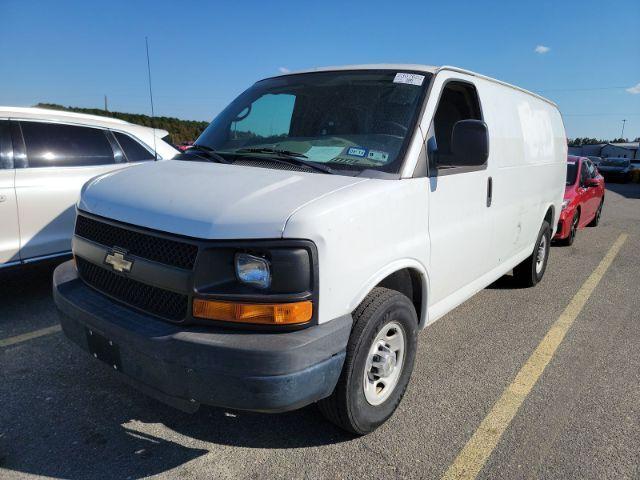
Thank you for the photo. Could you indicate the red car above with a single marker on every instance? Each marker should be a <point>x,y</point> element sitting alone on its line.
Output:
<point>583,199</point>
<point>184,146</point>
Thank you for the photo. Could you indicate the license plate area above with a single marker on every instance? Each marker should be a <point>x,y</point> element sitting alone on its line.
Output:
<point>103,349</point>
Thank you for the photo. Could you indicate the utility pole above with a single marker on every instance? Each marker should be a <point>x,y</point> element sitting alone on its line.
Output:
<point>105,104</point>
<point>622,134</point>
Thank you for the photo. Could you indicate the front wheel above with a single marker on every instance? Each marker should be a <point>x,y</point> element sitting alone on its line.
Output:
<point>531,271</point>
<point>380,357</point>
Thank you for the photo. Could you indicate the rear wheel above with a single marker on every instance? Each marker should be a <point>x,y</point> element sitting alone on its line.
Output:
<point>531,271</point>
<point>380,356</point>
<point>573,229</point>
<point>596,219</point>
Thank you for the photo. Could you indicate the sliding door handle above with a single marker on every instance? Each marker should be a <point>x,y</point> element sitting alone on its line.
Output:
<point>489,191</point>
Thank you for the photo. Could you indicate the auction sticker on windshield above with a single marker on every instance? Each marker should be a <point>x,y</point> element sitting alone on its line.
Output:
<point>409,78</point>
<point>378,156</point>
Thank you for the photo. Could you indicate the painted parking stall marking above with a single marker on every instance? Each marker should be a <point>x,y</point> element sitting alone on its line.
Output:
<point>7,342</point>
<point>475,453</point>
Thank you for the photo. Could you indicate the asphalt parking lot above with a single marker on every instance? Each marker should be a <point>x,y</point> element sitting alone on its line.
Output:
<point>63,416</point>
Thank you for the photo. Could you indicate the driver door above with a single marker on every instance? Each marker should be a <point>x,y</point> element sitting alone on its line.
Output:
<point>460,226</point>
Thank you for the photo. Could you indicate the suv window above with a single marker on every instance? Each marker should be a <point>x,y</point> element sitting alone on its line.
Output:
<point>6,149</point>
<point>58,145</point>
<point>132,149</point>
<point>459,101</point>
<point>591,169</point>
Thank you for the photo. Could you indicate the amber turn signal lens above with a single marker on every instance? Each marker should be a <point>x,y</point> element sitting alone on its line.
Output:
<point>260,313</point>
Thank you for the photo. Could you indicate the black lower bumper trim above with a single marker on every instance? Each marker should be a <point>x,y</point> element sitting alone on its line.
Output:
<point>186,366</point>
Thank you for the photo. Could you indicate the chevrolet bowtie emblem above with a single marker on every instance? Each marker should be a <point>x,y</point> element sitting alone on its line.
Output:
<point>118,262</point>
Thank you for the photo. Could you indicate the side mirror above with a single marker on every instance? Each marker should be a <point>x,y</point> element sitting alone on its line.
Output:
<point>470,143</point>
<point>591,182</point>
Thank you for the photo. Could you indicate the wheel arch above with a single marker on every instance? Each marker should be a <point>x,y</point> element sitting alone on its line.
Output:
<point>551,217</point>
<point>408,277</point>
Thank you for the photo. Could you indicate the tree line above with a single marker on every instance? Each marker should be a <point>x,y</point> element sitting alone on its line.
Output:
<point>578,142</point>
<point>179,130</point>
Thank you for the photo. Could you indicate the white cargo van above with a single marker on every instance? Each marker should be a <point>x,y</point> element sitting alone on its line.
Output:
<point>320,221</point>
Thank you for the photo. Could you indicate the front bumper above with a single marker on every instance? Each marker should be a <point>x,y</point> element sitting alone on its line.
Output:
<point>186,366</point>
<point>564,224</point>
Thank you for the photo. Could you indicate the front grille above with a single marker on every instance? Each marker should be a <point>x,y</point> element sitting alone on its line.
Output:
<point>163,303</point>
<point>162,250</point>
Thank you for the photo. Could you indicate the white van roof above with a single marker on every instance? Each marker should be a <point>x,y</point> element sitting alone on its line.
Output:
<point>416,68</point>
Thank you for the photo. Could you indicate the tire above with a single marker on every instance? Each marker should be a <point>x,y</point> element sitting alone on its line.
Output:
<point>596,219</point>
<point>530,272</point>
<point>573,230</point>
<point>349,407</point>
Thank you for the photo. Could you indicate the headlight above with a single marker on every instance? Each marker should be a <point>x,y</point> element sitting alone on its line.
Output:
<point>565,203</point>
<point>253,270</point>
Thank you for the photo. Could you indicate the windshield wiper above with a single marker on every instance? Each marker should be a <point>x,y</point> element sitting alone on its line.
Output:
<point>285,153</point>
<point>286,156</point>
<point>208,153</point>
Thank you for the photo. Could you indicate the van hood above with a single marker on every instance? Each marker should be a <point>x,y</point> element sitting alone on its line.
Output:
<point>207,200</point>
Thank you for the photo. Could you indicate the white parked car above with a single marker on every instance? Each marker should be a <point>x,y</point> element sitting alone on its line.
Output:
<point>45,158</point>
<point>319,222</point>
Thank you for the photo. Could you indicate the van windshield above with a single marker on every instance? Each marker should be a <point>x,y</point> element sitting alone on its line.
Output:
<point>350,121</point>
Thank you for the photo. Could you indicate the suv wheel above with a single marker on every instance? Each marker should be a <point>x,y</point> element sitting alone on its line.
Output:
<point>380,357</point>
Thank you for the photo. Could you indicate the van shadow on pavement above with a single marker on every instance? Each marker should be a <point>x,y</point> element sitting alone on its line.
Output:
<point>65,415</point>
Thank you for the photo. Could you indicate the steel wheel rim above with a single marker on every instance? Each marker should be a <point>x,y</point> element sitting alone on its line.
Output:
<point>542,253</point>
<point>384,364</point>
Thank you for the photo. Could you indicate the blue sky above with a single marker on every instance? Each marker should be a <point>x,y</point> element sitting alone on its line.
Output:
<point>204,53</point>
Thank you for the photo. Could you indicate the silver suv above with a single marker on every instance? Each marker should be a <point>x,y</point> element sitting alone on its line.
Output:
<point>45,158</point>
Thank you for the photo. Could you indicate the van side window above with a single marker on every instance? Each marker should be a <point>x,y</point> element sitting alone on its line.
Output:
<point>59,145</point>
<point>459,101</point>
<point>132,149</point>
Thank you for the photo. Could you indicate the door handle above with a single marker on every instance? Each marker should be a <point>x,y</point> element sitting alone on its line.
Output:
<point>489,191</point>
<point>2,198</point>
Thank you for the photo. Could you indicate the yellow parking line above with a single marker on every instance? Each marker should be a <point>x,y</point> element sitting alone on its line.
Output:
<point>5,342</point>
<point>475,453</point>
